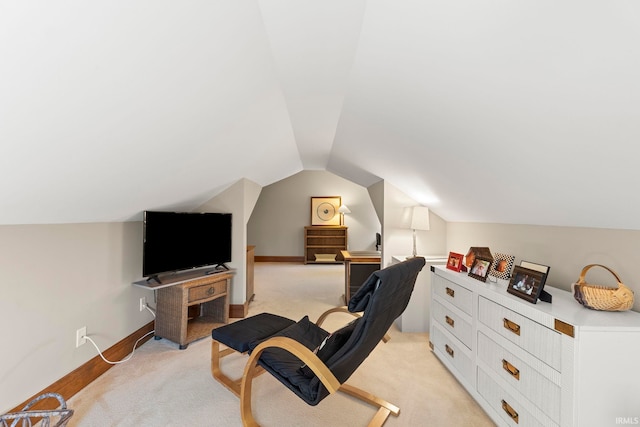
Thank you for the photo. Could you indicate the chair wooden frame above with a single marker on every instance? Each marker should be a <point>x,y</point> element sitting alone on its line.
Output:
<point>322,372</point>
<point>242,387</point>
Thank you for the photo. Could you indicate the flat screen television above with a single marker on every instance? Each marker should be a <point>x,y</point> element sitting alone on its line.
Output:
<point>176,241</point>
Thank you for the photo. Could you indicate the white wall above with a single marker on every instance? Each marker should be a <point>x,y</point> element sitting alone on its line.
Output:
<point>239,200</point>
<point>277,224</point>
<point>398,238</point>
<point>55,279</point>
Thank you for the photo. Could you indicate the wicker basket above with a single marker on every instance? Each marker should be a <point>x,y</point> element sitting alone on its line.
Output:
<point>603,298</point>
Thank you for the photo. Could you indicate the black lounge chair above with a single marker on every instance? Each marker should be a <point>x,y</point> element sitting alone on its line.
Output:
<point>310,361</point>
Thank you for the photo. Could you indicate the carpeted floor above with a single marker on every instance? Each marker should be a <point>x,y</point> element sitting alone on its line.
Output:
<point>164,386</point>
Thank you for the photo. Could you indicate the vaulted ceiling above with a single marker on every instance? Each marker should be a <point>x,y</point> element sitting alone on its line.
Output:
<point>483,110</point>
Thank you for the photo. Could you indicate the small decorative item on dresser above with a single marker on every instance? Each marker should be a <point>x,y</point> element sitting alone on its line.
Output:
<point>544,269</point>
<point>527,284</point>
<point>455,261</point>
<point>480,268</point>
<point>474,251</point>
<point>502,265</point>
<point>603,298</point>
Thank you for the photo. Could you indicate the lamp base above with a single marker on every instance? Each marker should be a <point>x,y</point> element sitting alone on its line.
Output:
<point>415,252</point>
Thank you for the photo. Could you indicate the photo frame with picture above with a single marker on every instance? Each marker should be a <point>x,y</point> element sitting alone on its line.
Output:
<point>480,268</point>
<point>526,283</point>
<point>479,252</point>
<point>502,265</point>
<point>544,269</point>
<point>455,261</point>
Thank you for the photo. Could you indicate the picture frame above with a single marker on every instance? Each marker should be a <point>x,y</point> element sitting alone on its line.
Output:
<point>476,251</point>
<point>455,261</point>
<point>538,267</point>
<point>324,210</point>
<point>526,283</point>
<point>502,265</point>
<point>480,268</point>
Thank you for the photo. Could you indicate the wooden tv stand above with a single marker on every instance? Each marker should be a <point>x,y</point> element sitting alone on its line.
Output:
<point>188,310</point>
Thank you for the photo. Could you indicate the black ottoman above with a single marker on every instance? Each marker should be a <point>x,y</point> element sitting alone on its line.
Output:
<point>239,336</point>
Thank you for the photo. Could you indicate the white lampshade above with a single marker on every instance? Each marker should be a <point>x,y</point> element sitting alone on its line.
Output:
<point>343,209</point>
<point>420,218</point>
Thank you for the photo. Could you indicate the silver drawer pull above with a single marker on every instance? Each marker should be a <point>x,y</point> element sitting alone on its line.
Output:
<point>512,370</point>
<point>451,292</point>
<point>512,326</point>
<point>449,321</point>
<point>211,291</point>
<point>449,350</point>
<point>510,411</point>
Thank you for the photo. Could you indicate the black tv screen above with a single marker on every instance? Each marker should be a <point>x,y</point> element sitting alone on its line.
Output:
<point>174,241</point>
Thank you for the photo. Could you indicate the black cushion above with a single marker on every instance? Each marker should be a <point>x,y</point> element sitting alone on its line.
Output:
<point>241,334</point>
<point>336,340</point>
<point>383,297</point>
<point>285,365</point>
<point>331,345</point>
<point>304,331</point>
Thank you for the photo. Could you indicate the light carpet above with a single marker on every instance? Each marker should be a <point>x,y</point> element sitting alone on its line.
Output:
<point>164,386</point>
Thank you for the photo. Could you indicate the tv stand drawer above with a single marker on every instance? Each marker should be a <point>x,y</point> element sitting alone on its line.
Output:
<point>207,291</point>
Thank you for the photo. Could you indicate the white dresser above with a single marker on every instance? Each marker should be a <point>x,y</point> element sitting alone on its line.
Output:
<point>557,364</point>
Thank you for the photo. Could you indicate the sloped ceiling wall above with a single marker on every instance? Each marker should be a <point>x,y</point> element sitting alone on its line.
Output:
<point>489,111</point>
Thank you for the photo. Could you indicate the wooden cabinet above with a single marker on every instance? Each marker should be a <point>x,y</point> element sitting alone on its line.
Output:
<point>544,364</point>
<point>358,266</point>
<point>187,311</point>
<point>323,243</point>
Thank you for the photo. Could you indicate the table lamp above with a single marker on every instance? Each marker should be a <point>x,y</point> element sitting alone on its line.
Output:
<point>343,209</point>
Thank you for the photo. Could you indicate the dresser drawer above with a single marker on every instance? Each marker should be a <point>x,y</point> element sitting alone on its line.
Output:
<point>541,388</point>
<point>452,351</point>
<point>453,293</point>
<point>456,325</point>
<point>510,407</point>
<point>204,292</point>
<point>542,342</point>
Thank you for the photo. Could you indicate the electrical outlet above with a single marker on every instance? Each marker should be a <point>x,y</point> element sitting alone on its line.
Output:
<point>81,336</point>
<point>143,303</point>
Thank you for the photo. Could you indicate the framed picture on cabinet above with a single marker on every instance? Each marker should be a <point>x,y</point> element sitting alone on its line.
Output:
<point>324,210</point>
<point>476,252</point>
<point>480,268</point>
<point>455,261</point>
<point>502,265</point>
<point>526,283</point>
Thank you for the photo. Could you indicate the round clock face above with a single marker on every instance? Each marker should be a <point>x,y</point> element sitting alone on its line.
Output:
<point>326,211</point>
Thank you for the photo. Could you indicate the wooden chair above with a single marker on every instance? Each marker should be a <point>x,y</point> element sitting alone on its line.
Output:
<point>310,361</point>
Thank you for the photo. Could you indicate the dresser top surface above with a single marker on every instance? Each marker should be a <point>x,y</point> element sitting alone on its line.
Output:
<point>563,307</point>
